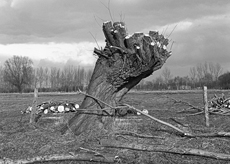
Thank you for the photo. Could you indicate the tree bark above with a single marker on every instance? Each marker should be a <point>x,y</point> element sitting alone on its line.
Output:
<point>122,64</point>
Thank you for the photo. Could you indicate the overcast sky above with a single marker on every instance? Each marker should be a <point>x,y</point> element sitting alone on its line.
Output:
<point>58,31</point>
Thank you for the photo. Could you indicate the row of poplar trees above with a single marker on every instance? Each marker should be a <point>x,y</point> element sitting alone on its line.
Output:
<point>19,75</point>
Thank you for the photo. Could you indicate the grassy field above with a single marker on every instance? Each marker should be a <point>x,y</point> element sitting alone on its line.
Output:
<point>18,140</point>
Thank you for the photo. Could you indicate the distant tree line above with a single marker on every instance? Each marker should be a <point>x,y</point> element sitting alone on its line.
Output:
<point>209,74</point>
<point>19,75</point>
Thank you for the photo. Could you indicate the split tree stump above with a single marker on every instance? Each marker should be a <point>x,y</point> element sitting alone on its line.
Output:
<point>122,64</point>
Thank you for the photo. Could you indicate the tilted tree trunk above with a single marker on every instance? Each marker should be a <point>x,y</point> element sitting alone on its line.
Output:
<point>122,64</point>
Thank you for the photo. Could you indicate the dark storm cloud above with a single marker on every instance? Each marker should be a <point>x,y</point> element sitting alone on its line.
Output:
<point>71,21</point>
<point>48,20</point>
<point>207,40</point>
<point>202,33</point>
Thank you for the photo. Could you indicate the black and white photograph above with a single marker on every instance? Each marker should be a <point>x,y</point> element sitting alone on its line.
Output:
<point>115,81</point>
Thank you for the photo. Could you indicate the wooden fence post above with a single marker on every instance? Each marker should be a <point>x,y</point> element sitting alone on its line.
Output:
<point>33,111</point>
<point>206,106</point>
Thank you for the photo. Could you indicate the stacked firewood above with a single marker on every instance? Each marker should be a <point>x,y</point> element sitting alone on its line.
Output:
<point>219,105</point>
<point>53,107</point>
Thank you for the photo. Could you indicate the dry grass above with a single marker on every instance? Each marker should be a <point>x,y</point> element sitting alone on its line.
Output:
<point>18,140</point>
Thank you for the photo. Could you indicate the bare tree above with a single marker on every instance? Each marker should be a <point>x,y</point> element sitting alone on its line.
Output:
<point>79,77</point>
<point>1,76</point>
<point>58,78</point>
<point>205,68</point>
<point>53,77</point>
<point>69,77</point>
<point>159,81</point>
<point>199,70</point>
<point>46,77</point>
<point>40,76</point>
<point>215,70</point>
<point>193,75</point>
<point>166,73</point>
<point>62,81</point>
<point>18,71</point>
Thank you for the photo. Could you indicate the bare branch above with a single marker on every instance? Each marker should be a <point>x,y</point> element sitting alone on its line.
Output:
<point>172,31</point>
<point>108,8</point>
<point>129,133</point>
<point>63,157</point>
<point>160,121</point>
<point>165,149</point>
<point>97,21</point>
<point>97,99</point>
<point>95,40</point>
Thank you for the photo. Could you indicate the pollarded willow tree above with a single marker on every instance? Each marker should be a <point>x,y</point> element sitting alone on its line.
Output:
<point>122,64</point>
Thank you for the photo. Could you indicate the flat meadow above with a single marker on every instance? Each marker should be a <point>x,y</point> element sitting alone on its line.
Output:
<point>18,140</point>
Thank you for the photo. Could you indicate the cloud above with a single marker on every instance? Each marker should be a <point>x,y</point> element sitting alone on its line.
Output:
<point>67,21</point>
<point>45,21</point>
<point>82,52</point>
<point>206,40</point>
<point>3,3</point>
<point>58,30</point>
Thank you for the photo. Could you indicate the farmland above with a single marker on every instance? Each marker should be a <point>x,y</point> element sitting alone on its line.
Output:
<point>18,140</point>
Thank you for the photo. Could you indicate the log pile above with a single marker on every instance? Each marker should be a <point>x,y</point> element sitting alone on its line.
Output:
<point>53,107</point>
<point>219,105</point>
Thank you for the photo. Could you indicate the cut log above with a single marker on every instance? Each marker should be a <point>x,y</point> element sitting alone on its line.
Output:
<point>122,64</point>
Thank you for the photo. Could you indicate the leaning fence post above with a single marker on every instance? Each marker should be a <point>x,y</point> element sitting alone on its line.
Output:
<point>32,114</point>
<point>206,106</point>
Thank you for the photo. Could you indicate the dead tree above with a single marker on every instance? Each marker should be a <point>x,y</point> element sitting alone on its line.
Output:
<point>122,64</point>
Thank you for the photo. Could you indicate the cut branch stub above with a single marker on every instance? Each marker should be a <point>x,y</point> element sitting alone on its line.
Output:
<point>138,55</point>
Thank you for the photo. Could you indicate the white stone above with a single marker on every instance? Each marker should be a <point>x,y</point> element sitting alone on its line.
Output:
<point>61,108</point>
<point>67,109</point>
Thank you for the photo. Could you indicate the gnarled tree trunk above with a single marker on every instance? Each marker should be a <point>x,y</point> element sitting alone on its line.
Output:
<point>122,64</point>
